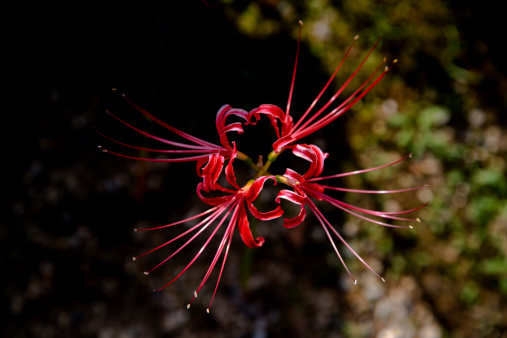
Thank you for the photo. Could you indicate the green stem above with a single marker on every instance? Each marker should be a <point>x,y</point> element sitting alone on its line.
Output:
<point>271,158</point>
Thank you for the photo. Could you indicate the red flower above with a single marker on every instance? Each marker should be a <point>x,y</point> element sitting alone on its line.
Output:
<point>290,132</point>
<point>197,149</point>
<point>234,203</point>
<point>305,187</point>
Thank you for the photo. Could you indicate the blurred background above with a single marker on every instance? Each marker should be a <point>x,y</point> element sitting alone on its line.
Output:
<point>66,229</point>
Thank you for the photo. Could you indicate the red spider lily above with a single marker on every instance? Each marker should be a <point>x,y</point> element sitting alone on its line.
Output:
<point>197,149</point>
<point>290,132</point>
<point>305,187</point>
<point>234,204</point>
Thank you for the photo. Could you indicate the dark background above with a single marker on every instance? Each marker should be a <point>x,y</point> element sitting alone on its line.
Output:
<point>67,223</point>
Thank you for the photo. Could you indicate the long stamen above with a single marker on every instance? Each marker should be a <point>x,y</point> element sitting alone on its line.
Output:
<point>319,216</point>
<point>307,129</point>
<point>293,74</point>
<point>205,221</point>
<point>227,235</point>
<point>177,144</point>
<point>313,179</point>
<point>183,220</point>
<point>184,159</point>
<point>333,98</point>
<point>186,243</point>
<point>167,126</point>
<point>360,191</point>
<point>348,208</point>
<point>326,222</point>
<point>197,255</point>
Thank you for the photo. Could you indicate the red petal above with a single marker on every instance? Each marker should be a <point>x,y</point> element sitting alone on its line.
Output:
<point>212,171</point>
<point>291,174</point>
<point>282,142</point>
<point>265,216</point>
<point>297,199</point>
<point>244,229</point>
<point>212,200</point>
<point>222,114</point>
<point>294,222</point>
<point>314,155</point>
<point>256,187</point>
<point>229,170</point>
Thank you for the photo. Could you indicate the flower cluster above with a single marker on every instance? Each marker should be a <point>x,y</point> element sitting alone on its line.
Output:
<point>231,206</point>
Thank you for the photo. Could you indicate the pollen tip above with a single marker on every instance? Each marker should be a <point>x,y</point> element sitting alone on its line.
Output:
<point>123,95</point>
<point>113,89</point>
<point>356,37</point>
<point>395,60</point>
<point>99,146</point>
<point>410,155</point>
<point>418,220</point>
<point>104,150</point>
<point>195,294</point>
<point>188,306</point>
<point>411,226</point>
<point>355,281</point>
<point>301,22</point>
<point>207,310</point>
<point>386,69</point>
<point>146,273</point>
<point>385,59</point>
<point>134,259</point>
<point>383,279</point>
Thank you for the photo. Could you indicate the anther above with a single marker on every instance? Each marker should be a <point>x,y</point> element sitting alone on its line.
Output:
<point>410,226</point>
<point>113,89</point>
<point>134,259</point>
<point>410,155</point>
<point>355,281</point>
<point>383,279</point>
<point>418,220</point>
<point>188,306</point>
<point>301,22</point>
<point>356,37</point>
<point>195,294</point>
<point>135,230</point>
<point>207,310</point>
<point>146,273</point>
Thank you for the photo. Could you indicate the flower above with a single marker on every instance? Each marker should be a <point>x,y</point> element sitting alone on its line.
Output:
<point>229,205</point>
<point>234,204</point>
<point>305,186</point>
<point>197,149</point>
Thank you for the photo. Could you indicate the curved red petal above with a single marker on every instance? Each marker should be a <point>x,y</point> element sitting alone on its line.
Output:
<point>256,187</point>
<point>229,170</point>
<point>244,229</point>
<point>212,171</point>
<point>291,174</point>
<point>297,199</point>
<point>294,222</point>
<point>282,142</point>
<point>265,216</point>
<point>223,113</point>
<point>219,200</point>
<point>291,196</point>
<point>312,154</point>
